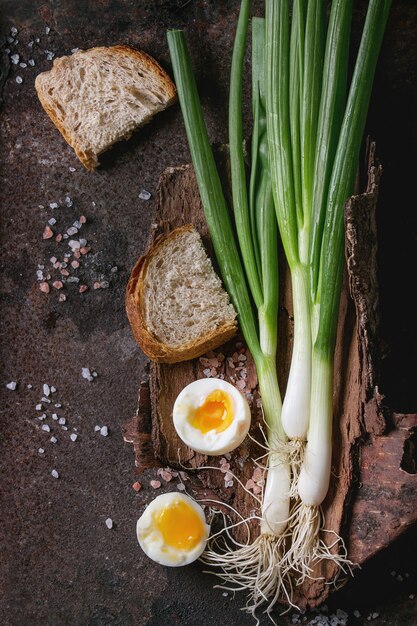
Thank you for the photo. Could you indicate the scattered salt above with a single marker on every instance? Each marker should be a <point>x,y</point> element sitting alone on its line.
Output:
<point>62,421</point>
<point>38,407</point>
<point>46,390</point>
<point>104,431</point>
<point>23,65</point>
<point>29,386</point>
<point>72,169</point>
<point>53,389</point>
<point>49,55</point>
<point>85,373</point>
<point>55,473</point>
<point>52,222</point>
<point>53,205</point>
<point>356,614</point>
<point>73,437</point>
<point>47,30</point>
<point>57,405</point>
<point>68,201</point>
<point>47,400</point>
<point>137,486</point>
<point>13,31</point>
<point>54,416</point>
<point>15,59</point>
<point>155,484</point>
<point>144,195</point>
<point>181,487</point>
<point>53,440</point>
<point>97,428</point>
<point>46,428</point>
<point>41,451</point>
<point>11,385</point>
<point>109,523</point>
<point>31,62</point>
<point>72,230</point>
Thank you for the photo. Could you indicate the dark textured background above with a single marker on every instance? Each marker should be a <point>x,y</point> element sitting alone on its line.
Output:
<point>59,563</point>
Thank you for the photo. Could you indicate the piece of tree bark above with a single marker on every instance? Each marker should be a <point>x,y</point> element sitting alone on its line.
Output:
<point>372,492</point>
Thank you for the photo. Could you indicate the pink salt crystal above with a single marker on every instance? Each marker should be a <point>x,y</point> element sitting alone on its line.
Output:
<point>57,265</point>
<point>223,461</point>
<point>84,250</point>
<point>83,288</point>
<point>44,287</point>
<point>155,484</point>
<point>65,272</point>
<point>57,284</point>
<point>77,254</point>
<point>250,484</point>
<point>228,477</point>
<point>257,490</point>
<point>97,286</point>
<point>136,486</point>
<point>166,475</point>
<point>225,467</point>
<point>47,233</point>
<point>62,297</point>
<point>75,264</point>
<point>58,238</point>
<point>82,219</point>
<point>257,474</point>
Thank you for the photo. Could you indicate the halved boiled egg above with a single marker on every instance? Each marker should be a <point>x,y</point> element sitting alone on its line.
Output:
<point>172,530</point>
<point>211,416</point>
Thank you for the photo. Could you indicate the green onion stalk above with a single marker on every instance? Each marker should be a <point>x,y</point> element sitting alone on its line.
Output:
<point>330,134</point>
<point>254,567</point>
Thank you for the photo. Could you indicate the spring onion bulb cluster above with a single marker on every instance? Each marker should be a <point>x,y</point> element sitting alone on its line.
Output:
<point>308,123</point>
<point>315,128</point>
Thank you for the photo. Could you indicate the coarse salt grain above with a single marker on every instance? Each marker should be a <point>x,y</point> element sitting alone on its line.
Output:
<point>14,59</point>
<point>73,437</point>
<point>41,451</point>
<point>72,230</point>
<point>85,373</point>
<point>58,284</point>
<point>58,405</point>
<point>53,440</point>
<point>97,428</point>
<point>109,523</point>
<point>97,286</point>
<point>104,431</point>
<point>62,421</point>
<point>47,30</point>
<point>38,407</point>
<point>58,238</point>
<point>29,386</point>
<point>46,389</point>
<point>47,233</point>
<point>23,65</point>
<point>46,428</point>
<point>19,80</point>
<point>54,416</point>
<point>137,486</point>
<point>155,484</point>
<point>83,288</point>
<point>72,169</point>
<point>74,244</point>
<point>53,205</point>
<point>31,62</point>
<point>47,400</point>
<point>13,31</point>
<point>53,389</point>
<point>55,473</point>
<point>62,297</point>
<point>11,385</point>
<point>42,417</point>
<point>181,487</point>
<point>144,195</point>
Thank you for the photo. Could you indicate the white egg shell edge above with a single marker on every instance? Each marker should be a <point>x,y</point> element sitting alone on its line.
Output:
<point>211,443</point>
<point>151,541</point>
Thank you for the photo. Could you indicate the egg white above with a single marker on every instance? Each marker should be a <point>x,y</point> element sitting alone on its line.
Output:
<point>212,443</point>
<point>151,540</point>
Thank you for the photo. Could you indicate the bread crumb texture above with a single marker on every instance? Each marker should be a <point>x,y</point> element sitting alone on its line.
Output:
<point>99,96</point>
<point>183,297</point>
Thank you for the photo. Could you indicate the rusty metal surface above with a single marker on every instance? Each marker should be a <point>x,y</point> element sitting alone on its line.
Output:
<point>60,564</point>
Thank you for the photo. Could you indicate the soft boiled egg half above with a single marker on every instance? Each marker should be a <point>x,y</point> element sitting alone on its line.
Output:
<point>172,530</point>
<point>211,416</point>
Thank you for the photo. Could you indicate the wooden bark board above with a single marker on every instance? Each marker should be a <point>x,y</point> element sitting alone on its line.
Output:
<point>371,499</point>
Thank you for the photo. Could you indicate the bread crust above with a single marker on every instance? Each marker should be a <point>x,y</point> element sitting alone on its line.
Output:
<point>150,345</point>
<point>88,158</point>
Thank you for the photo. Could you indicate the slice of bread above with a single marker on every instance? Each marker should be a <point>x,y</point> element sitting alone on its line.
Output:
<point>175,302</point>
<point>99,96</point>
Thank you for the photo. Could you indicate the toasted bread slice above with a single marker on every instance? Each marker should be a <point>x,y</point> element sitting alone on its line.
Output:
<point>175,302</point>
<point>99,96</point>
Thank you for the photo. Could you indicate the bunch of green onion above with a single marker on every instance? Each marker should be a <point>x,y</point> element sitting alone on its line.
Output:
<point>307,132</point>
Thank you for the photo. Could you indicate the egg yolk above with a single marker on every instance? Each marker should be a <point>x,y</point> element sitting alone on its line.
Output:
<point>180,526</point>
<point>216,412</point>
